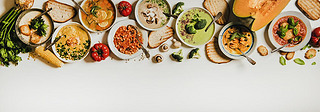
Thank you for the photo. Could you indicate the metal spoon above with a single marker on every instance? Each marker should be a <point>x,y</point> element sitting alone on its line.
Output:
<point>55,40</point>
<point>137,35</point>
<point>275,50</point>
<point>215,19</point>
<point>80,7</point>
<point>248,58</point>
<point>290,42</point>
<point>43,13</point>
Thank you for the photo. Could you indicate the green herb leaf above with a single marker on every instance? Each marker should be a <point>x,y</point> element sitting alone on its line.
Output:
<point>94,9</point>
<point>305,47</point>
<point>291,21</point>
<point>233,36</point>
<point>297,38</point>
<point>291,27</point>
<point>314,63</point>
<point>282,60</point>
<point>299,61</point>
<point>295,31</point>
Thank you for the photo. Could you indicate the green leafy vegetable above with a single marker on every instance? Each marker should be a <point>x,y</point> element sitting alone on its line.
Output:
<point>305,47</point>
<point>190,29</point>
<point>299,61</point>
<point>295,31</point>
<point>177,56</point>
<point>282,31</point>
<point>194,53</point>
<point>200,24</point>
<point>10,45</point>
<point>178,8</point>
<point>94,9</point>
<point>297,38</point>
<point>283,61</point>
<point>39,25</point>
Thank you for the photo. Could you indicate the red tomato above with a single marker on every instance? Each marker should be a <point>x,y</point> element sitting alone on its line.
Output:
<point>316,32</point>
<point>314,41</point>
<point>99,52</point>
<point>125,8</point>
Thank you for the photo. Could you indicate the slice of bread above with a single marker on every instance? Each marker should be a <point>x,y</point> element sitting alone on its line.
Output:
<point>60,12</point>
<point>214,54</point>
<point>156,38</point>
<point>216,6</point>
<point>311,8</point>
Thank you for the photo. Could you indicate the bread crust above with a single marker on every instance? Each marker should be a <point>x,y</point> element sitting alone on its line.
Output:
<point>214,54</point>
<point>263,51</point>
<point>311,8</point>
<point>216,6</point>
<point>156,38</point>
<point>311,53</point>
<point>46,7</point>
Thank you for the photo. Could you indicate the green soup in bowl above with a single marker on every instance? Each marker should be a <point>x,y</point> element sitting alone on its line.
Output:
<point>191,25</point>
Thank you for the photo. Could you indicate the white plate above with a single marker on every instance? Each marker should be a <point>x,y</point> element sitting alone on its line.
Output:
<point>136,11</point>
<point>111,38</point>
<point>208,22</point>
<point>55,34</point>
<point>233,56</point>
<point>303,42</point>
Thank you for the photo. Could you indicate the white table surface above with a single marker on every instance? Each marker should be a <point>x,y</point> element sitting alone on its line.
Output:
<point>142,86</point>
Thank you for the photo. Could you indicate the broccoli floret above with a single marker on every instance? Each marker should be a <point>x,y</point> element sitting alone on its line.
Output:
<point>178,9</point>
<point>194,53</point>
<point>200,24</point>
<point>190,29</point>
<point>177,55</point>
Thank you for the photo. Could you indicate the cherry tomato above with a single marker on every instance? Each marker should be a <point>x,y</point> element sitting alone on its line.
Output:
<point>316,32</point>
<point>99,52</point>
<point>125,8</point>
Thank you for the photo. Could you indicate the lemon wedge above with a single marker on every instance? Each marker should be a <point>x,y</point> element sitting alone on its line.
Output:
<point>109,14</point>
<point>103,24</point>
<point>102,15</point>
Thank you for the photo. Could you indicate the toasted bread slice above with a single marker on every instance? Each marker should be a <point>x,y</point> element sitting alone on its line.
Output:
<point>214,54</point>
<point>311,8</point>
<point>60,12</point>
<point>216,6</point>
<point>156,38</point>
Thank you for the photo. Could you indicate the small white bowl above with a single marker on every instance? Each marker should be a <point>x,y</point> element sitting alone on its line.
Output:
<point>302,43</point>
<point>208,22</point>
<point>111,38</point>
<point>233,56</point>
<point>81,21</point>
<point>56,33</point>
<point>136,14</point>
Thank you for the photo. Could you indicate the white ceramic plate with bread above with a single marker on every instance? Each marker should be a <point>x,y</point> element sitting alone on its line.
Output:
<point>111,38</point>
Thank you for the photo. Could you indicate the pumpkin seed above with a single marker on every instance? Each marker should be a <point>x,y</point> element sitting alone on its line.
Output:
<point>282,60</point>
<point>299,61</point>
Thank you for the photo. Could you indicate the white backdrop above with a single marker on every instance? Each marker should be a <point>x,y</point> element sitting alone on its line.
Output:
<point>142,86</point>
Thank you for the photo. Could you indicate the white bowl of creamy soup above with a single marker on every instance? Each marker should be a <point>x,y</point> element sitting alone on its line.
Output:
<point>149,14</point>
<point>34,31</point>
<point>74,43</point>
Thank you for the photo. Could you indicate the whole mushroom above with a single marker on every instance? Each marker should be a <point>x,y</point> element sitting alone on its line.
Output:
<point>158,58</point>
<point>176,44</point>
<point>164,48</point>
